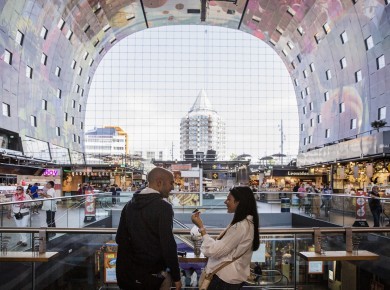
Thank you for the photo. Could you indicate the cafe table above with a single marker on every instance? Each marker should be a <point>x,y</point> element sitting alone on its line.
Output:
<point>32,257</point>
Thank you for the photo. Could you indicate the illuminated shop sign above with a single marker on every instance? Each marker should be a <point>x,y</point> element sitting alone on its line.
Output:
<point>50,172</point>
<point>301,172</point>
<point>298,173</point>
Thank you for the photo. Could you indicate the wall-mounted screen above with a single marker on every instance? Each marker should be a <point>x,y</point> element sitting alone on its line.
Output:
<point>316,267</point>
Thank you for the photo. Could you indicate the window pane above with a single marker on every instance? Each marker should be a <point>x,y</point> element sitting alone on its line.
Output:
<point>6,110</point>
<point>326,28</point>
<point>29,72</point>
<point>358,76</point>
<point>43,59</point>
<point>33,121</point>
<point>43,33</point>
<point>328,75</point>
<point>343,63</point>
<point>19,37</point>
<point>353,124</point>
<point>380,62</point>
<point>369,43</point>
<point>344,37</point>
<point>326,96</point>
<point>60,24</point>
<point>7,57</point>
<point>382,113</point>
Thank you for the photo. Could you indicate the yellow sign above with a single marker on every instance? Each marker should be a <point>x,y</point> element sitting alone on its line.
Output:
<point>215,175</point>
<point>110,268</point>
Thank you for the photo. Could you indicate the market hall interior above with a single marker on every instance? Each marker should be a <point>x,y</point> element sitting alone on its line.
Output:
<point>337,54</point>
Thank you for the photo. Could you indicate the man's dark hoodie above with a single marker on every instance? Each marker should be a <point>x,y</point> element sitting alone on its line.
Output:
<point>145,239</point>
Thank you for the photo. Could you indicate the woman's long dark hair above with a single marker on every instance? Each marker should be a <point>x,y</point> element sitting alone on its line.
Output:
<point>247,206</point>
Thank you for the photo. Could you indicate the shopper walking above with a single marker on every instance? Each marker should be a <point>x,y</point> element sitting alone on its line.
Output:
<point>301,195</point>
<point>113,193</point>
<point>375,205</point>
<point>34,195</point>
<point>21,213</point>
<point>50,206</point>
<point>326,199</point>
<point>118,194</point>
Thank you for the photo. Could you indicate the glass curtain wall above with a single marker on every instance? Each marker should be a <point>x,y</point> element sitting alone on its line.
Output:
<point>149,81</point>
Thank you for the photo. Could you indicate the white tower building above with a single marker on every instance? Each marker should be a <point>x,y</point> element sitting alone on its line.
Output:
<point>202,129</point>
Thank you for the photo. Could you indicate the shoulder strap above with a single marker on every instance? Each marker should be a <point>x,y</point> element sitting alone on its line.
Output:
<point>234,259</point>
<point>223,232</point>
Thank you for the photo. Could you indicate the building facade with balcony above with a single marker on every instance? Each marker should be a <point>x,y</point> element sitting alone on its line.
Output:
<point>104,144</point>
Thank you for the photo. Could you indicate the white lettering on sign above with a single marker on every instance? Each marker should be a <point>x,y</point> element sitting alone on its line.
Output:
<point>49,172</point>
<point>297,173</point>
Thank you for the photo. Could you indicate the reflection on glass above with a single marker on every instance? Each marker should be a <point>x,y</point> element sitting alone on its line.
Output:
<point>36,148</point>
<point>77,157</point>
<point>59,154</point>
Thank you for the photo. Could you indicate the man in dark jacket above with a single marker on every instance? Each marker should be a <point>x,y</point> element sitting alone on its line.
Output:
<point>375,205</point>
<point>146,245</point>
<point>113,193</point>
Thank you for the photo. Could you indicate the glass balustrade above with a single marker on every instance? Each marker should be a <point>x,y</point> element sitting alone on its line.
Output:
<point>85,258</point>
<point>338,209</point>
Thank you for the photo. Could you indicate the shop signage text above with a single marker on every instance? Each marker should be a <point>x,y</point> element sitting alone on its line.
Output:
<point>50,172</point>
<point>298,173</point>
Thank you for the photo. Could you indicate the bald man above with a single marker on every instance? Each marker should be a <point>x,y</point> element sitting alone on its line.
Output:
<point>146,245</point>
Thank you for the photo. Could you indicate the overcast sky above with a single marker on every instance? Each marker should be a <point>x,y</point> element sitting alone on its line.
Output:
<point>147,82</point>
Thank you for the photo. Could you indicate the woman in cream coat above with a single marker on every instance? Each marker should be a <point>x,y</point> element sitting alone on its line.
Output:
<point>239,239</point>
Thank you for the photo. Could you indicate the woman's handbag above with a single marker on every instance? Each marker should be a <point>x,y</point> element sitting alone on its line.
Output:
<point>18,215</point>
<point>205,278</point>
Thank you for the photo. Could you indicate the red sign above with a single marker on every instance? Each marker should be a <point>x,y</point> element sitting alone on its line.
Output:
<point>360,206</point>
<point>90,206</point>
<point>180,167</point>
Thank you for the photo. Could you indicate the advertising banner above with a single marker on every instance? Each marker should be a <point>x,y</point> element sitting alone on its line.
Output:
<point>360,219</point>
<point>90,206</point>
<point>110,268</point>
